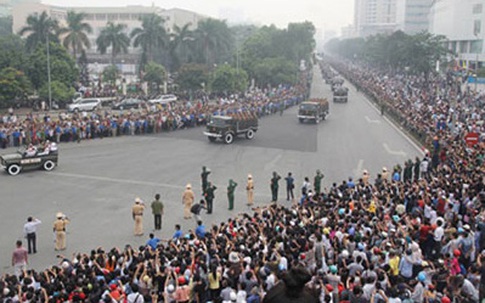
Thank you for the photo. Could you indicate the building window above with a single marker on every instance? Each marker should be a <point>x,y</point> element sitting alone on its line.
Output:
<point>89,17</point>
<point>112,17</point>
<point>476,46</point>
<point>477,8</point>
<point>463,47</point>
<point>477,27</point>
<point>135,16</point>
<point>100,17</point>
<point>125,16</point>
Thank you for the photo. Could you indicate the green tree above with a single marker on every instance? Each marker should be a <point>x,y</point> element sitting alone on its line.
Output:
<point>63,67</point>
<point>155,75</point>
<point>60,92</point>
<point>151,35</point>
<point>13,52</point>
<point>6,26</point>
<point>226,79</point>
<point>113,36</point>
<point>14,85</point>
<point>190,77</point>
<point>214,40</point>
<point>275,71</point>
<point>40,29</point>
<point>111,74</point>
<point>181,45</point>
<point>75,33</point>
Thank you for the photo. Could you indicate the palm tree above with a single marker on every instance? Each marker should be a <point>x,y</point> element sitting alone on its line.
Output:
<point>180,44</point>
<point>151,35</point>
<point>76,32</point>
<point>41,28</point>
<point>113,36</point>
<point>215,39</point>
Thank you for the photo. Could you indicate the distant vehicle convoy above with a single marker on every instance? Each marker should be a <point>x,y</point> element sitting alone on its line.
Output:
<point>228,128</point>
<point>313,110</point>
<point>340,94</point>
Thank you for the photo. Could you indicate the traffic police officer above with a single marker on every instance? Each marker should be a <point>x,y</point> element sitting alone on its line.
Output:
<point>187,200</point>
<point>137,213</point>
<point>60,230</point>
<point>250,190</point>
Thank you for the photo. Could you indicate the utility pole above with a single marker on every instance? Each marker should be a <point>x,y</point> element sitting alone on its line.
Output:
<point>49,73</point>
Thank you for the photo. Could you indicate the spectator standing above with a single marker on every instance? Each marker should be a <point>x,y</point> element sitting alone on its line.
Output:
<point>290,185</point>
<point>157,211</point>
<point>30,229</point>
<point>19,259</point>
<point>137,214</point>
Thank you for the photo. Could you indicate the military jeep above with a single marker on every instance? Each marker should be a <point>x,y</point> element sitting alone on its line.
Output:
<point>22,160</point>
<point>228,128</point>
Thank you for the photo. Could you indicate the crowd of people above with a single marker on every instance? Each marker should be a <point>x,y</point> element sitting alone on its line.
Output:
<point>414,233</point>
<point>36,128</point>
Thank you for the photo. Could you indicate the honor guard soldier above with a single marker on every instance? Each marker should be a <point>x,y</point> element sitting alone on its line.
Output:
<point>317,182</point>
<point>230,193</point>
<point>204,176</point>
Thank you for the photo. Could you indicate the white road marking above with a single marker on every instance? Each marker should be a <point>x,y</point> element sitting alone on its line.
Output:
<point>272,163</point>
<point>369,120</point>
<point>359,169</point>
<point>393,152</point>
<point>107,179</point>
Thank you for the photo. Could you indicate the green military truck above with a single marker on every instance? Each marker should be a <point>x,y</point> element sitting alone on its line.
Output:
<point>228,128</point>
<point>313,110</point>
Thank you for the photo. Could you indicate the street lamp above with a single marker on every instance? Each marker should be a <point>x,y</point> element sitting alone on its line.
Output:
<point>49,73</point>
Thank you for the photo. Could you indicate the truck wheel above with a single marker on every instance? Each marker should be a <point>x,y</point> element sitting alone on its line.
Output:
<point>212,139</point>
<point>301,120</point>
<point>228,138</point>
<point>14,169</point>
<point>49,165</point>
<point>250,134</point>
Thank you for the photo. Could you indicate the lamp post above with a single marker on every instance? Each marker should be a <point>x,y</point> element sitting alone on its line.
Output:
<point>49,72</point>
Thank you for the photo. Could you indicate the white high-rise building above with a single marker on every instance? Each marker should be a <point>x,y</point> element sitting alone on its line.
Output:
<point>412,16</point>
<point>375,17</point>
<point>461,22</point>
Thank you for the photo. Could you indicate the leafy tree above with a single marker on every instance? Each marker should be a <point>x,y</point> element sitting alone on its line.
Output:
<point>214,40</point>
<point>14,85</point>
<point>13,52</point>
<point>40,29</point>
<point>113,36</point>
<point>191,76</point>
<point>110,74</point>
<point>60,92</point>
<point>275,71</point>
<point>83,69</point>
<point>151,35</point>
<point>6,26</point>
<point>301,41</point>
<point>75,34</point>
<point>227,80</point>
<point>154,74</point>
<point>181,45</point>
<point>63,67</point>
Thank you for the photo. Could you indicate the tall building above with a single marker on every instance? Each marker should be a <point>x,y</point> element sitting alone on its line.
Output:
<point>98,17</point>
<point>375,17</point>
<point>460,21</point>
<point>412,16</point>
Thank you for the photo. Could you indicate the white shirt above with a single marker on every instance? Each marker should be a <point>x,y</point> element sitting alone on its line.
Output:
<point>31,227</point>
<point>135,298</point>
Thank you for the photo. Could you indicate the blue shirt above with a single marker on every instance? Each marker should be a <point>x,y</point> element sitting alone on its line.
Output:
<point>177,234</point>
<point>153,242</point>
<point>200,231</point>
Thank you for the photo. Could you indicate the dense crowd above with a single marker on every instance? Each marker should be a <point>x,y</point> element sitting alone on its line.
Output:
<point>413,234</point>
<point>36,128</point>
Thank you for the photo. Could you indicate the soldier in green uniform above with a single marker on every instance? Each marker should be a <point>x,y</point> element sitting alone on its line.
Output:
<point>274,187</point>
<point>317,182</point>
<point>209,196</point>
<point>157,211</point>
<point>230,193</point>
<point>204,176</point>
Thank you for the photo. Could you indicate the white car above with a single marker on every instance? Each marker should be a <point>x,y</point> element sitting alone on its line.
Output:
<point>163,99</point>
<point>88,104</point>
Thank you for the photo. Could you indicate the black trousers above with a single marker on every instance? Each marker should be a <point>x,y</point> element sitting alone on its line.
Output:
<point>209,205</point>
<point>289,193</point>
<point>31,239</point>
<point>274,194</point>
<point>158,221</point>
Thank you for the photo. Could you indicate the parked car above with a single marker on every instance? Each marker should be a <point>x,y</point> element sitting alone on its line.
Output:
<point>128,104</point>
<point>88,104</point>
<point>14,163</point>
<point>227,128</point>
<point>163,99</point>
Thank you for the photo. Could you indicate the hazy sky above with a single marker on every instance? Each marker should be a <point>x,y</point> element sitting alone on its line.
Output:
<point>325,14</point>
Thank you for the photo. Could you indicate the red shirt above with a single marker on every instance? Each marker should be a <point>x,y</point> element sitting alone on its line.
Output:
<point>423,232</point>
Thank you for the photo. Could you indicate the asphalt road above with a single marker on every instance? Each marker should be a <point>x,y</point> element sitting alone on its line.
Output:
<point>96,182</point>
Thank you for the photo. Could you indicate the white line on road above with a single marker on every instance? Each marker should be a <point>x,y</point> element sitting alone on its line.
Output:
<point>372,121</point>
<point>359,169</point>
<point>272,163</point>
<point>393,152</point>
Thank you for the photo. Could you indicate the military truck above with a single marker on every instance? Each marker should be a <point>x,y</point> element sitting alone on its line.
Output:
<point>336,83</point>
<point>313,110</point>
<point>228,128</point>
<point>340,94</point>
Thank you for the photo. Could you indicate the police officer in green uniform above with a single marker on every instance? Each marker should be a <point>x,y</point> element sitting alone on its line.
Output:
<point>274,187</point>
<point>204,176</point>
<point>230,193</point>
<point>317,182</point>
<point>209,196</point>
